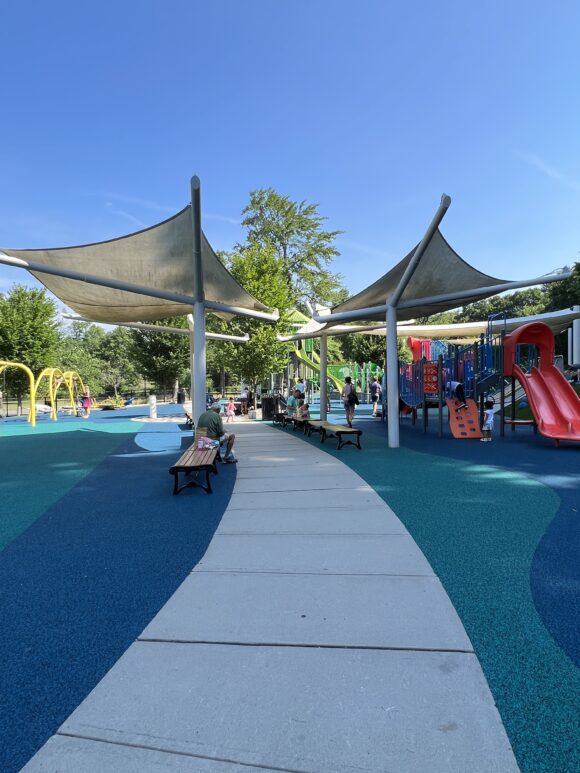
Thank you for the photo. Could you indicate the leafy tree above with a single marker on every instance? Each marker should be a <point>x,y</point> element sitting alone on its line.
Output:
<point>371,348</point>
<point>564,294</point>
<point>221,355</point>
<point>442,318</point>
<point>162,357</point>
<point>262,272</point>
<point>295,232</point>
<point>29,334</point>
<point>522,303</point>
<point>119,371</point>
<point>334,348</point>
<point>80,349</point>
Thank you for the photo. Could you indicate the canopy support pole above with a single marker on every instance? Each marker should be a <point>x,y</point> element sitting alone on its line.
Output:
<point>198,373</point>
<point>575,339</point>
<point>191,360</point>
<point>392,363</point>
<point>323,377</point>
<point>392,359</point>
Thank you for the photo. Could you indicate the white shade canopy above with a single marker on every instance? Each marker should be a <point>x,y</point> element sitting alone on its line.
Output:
<point>160,258</point>
<point>441,271</point>
<point>558,321</point>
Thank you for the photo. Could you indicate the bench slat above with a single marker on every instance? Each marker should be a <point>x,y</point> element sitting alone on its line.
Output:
<point>198,460</point>
<point>341,428</point>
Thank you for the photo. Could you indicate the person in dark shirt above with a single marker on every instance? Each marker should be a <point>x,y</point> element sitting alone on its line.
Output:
<point>375,394</point>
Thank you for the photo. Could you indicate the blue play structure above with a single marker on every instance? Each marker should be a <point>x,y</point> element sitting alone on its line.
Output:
<point>478,366</point>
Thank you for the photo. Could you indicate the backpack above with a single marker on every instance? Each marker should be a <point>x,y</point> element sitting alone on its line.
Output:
<point>352,399</point>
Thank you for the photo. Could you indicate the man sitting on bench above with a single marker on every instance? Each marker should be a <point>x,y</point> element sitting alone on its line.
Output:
<point>212,421</point>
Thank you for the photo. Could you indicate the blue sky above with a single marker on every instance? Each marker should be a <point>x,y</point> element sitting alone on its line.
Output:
<point>372,109</point>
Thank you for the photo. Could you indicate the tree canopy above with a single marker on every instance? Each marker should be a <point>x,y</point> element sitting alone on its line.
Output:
<point>562,295</point>
<point>29,334</point>
<point>369,348</point>
<point>162,357</point>
<point>259,269</point>
<point>295,231</point>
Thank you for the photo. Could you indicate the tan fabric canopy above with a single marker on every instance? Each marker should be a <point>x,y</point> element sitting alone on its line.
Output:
<point>558,321</point>
<point>160,257</point>
<point>440,271</point>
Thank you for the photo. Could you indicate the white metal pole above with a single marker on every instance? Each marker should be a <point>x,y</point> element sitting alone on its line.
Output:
<point>576,338</point>
<point>198,373</point>
<point>191,358</point>
<point>392,362</point>
<point>323,376</point>
<point>570,359</point>
<point>199,361</point>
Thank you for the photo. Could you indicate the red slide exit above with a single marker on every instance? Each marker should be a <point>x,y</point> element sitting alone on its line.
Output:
<point>553,401</point>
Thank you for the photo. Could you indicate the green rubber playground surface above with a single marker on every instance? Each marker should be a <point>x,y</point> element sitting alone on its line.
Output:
<point>479,525</point>
<point>53,470</point>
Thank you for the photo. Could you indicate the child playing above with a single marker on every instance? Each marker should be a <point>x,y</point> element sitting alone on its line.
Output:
<point>487,425</point>
<point>303,411</point>
<point>230,411</point>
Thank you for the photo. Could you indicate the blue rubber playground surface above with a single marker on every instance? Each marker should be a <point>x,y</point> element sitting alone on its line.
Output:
<point>500,524</point>
<point>92,544</point>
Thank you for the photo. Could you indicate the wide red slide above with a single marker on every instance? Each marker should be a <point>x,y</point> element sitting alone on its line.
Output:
<point>552,400</point>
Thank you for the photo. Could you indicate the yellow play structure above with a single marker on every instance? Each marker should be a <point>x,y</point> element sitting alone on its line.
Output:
<point>4,365</point>
<point>56,379</point>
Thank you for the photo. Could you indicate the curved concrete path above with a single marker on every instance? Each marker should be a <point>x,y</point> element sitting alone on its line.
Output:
<point>313,637</point>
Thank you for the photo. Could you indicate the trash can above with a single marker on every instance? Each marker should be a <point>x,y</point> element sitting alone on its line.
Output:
<point>268,408</point>
<point>180,396</point>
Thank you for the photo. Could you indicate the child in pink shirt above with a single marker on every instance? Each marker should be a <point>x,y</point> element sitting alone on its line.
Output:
<point>230,411</point>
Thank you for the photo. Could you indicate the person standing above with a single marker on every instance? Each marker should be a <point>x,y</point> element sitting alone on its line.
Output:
<point>300,387</point>
<point>349,399</point>
<point>86,404</point>
<point>244,397</point>
<point>375,394</point>
<point>230,411</point>
<point>487,426</point>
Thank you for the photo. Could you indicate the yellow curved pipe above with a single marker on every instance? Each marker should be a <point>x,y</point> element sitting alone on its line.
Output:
<point>4,365</point>
<point>70,376</point>
<point>52,374</point>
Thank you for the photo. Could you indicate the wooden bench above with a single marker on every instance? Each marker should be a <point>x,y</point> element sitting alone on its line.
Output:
<point>338,431</point>
<point>314,426</point>
<point>70,410</point>
<point>299,423</point>
<point>195,460</point>
<point>283,419</point>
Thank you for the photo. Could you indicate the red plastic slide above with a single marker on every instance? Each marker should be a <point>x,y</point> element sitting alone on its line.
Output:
<point>553,401</point>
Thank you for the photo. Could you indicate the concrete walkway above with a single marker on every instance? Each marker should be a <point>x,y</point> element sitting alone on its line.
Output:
<point>313,637</point>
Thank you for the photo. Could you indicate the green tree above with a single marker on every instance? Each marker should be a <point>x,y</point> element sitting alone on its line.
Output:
<point>80,349</point>
<point>162,357</point>
<point>523,303</point>
<point>262,272</point>
<point>295,232</point>
<point>221,355</point>
<point>119,371</point>
<point>564,294</point>
<point>29,334</point>
<point>442,318</point>
<point>372,348</point>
